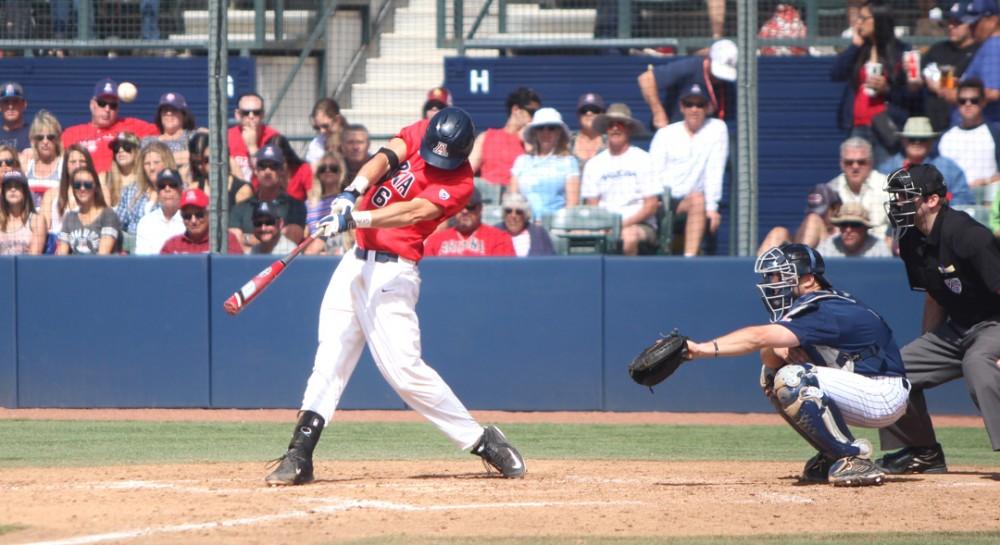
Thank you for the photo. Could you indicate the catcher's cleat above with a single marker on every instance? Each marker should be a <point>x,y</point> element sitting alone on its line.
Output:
<point>817,469</point>
<point>855,471</point>
<point>294,468</point>
<point>496,452</point>
<point>914,460</point>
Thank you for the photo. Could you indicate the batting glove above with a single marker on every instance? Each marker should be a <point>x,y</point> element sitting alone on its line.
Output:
<point>343,203</point>
<point>334,224</point>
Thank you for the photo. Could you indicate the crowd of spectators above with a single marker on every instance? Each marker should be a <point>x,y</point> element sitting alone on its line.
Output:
<point>894,113</point>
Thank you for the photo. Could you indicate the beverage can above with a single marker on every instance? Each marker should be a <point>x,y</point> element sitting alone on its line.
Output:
<point>872,69</point>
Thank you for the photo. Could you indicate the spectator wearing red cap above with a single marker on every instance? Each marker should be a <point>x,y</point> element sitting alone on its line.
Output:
<point>104,125</point>
<point>437,98</point>
<point>194,239</point>
<point>161,224</point>
<point>249,135</point>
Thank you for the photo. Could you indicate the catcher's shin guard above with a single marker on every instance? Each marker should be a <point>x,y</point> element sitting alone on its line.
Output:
<point>814,415</point>
<point>295,466</point>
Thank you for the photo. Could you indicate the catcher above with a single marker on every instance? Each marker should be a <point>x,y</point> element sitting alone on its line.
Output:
<point>829,361</point>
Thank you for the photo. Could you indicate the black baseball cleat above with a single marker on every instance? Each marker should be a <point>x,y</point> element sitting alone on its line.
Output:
<point>294,468</point>
<point>817,469</point>
<point>914,460</point>
<point>855,471</point>
<point>496,452</point>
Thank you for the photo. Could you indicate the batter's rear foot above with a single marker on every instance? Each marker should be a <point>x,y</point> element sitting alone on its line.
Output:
<point>496,452</point>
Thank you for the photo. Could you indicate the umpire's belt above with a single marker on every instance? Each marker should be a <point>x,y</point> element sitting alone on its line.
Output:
<point>379,256</point>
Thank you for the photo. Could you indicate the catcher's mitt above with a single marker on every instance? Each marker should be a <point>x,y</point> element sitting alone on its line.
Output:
<point>657,362</point>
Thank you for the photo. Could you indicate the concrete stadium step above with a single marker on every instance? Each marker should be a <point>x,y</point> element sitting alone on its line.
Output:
<point>382,122</point>
<point>400,96</point>
<point>296,23</point>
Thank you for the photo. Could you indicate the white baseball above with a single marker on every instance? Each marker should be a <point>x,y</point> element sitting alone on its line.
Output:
<point>127,91</point>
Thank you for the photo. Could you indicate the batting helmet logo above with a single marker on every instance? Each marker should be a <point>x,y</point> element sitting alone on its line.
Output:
<point>441,149</point>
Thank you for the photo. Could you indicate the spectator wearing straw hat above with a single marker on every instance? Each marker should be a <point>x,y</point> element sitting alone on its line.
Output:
<point>689,158</point>
<point>620,179</point>
<point>548,175</point>
<point>854,238</point>
<point>918,148</point>
<point>716,74</point>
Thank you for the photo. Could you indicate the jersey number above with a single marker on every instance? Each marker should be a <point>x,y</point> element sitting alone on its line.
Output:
<point>381,197</point>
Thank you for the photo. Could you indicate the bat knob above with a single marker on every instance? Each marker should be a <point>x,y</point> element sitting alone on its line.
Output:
<point>231,307</point>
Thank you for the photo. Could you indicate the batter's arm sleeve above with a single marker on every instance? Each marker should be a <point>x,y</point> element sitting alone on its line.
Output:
<point>378,165</point>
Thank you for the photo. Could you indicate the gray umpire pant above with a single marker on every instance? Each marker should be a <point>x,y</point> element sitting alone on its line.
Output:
<point>944,354</point>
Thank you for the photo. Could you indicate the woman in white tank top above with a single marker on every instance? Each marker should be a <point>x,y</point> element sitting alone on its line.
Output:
<point>22,231</point>
<point>44,169</point>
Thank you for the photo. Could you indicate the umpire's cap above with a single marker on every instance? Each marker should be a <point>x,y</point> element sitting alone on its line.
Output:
<point>449,138</point>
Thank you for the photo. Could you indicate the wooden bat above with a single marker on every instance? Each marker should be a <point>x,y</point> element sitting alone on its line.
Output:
<point>239,300</point>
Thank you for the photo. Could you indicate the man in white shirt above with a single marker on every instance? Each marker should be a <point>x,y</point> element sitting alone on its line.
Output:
<point>164,223</point>
<point>689,159</point>
<point>974,144</point>
<point>619,179</point>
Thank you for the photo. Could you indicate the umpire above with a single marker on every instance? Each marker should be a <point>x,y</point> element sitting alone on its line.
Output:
<point>957,262</point>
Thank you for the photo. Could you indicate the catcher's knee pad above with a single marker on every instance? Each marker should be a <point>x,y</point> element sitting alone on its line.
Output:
<point>813,414</point>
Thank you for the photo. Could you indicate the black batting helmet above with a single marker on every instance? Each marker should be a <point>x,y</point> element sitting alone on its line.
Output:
<point>449,138</point>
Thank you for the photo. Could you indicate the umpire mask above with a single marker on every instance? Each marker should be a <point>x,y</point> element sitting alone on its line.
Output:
<point>902,205</point>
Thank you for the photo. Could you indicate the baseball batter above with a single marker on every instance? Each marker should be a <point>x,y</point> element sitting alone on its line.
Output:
<point>829,361</point>
<point>406,189</point>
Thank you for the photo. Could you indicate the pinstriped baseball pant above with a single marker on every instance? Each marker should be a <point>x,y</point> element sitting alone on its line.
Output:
<point>869,402</point>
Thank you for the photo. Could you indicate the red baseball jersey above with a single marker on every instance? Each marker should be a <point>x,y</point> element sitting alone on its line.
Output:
<point>449,189</point>
<point>96,139</point>
<point>483,242</point>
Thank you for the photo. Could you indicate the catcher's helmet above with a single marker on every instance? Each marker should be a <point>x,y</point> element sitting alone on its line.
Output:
<point>904,187</point>
<point>780,269</point>
<point>449,138</point>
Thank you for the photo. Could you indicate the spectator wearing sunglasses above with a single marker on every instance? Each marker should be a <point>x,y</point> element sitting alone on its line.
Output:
<point>141,197</point>
<point>328,123</point>
<point>470,237</point>
<point>165,222</point>
<point>689,159</point>
<point>330,182</point>
<point>249,135</point>
<point>22,229</point>
<point>57,202</point>
<point>44,165</point>
<point>194,239</point>
<point>662,85</point>
<point>271,174</point>
<point>93,228</point>
<point>918,138</point>
<point>495,150</point>
<point>175,123</point>
<point>200,159</point>
<point>104,125</point>
<point>124,167</point>
<point>983,16</point>
<point>529,239</point>
<point>974,144</point>
<point>854,238</point>
<point>548,175</point>
<point>9,160</point>
<point>267,225</point>
<point>588,141</point>
<point>13,131</point>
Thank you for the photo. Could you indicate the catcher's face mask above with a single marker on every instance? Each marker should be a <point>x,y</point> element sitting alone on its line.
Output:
<point>779,278</point>
<point>902,205</point>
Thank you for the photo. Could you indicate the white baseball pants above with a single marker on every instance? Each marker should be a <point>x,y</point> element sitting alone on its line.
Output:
<point>869,402</point>
<point>373,302</point>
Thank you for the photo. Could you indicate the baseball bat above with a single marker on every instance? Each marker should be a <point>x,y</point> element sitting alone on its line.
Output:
<point>240,299</point>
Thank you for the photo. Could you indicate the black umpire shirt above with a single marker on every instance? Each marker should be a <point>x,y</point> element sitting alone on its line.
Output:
<point>958,264</point>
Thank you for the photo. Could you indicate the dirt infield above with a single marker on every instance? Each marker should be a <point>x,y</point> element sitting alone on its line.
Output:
<point>227,502</point>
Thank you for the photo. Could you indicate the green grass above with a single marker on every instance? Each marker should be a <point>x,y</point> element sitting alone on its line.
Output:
<point>950,538</point>
<point>100,443</point>
<point>5,528</point>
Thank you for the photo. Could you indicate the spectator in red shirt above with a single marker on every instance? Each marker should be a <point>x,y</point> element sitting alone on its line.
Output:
<point>300,173</point>
<point>469,237</point>
<point>194,239</point>
<point>495,150</point>
<point>105,125</point>
<point>248,136</point>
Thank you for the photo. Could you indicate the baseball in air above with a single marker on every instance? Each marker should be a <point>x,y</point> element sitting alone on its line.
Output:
<point>127,91</point>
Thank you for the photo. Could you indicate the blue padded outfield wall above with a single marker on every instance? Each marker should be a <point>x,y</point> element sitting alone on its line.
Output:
<point>511,334</point>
